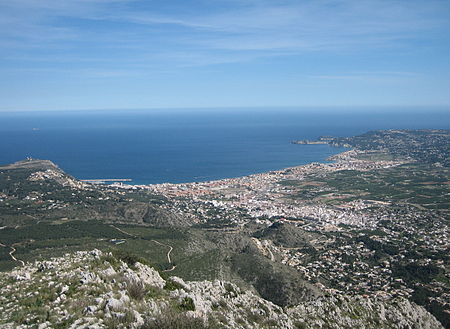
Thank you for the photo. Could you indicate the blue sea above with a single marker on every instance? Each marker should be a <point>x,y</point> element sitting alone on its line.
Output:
<point>186,145</point>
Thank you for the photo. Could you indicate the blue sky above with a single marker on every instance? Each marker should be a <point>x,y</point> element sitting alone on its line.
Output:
<point>100,54</point>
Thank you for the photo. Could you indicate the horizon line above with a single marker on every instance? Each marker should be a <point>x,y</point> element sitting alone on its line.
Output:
<point>265,107</point>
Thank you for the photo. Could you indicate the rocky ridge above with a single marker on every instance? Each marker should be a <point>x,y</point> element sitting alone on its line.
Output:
<point>98,290</point>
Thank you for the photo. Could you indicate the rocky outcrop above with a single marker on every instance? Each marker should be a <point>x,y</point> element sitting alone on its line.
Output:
<point>96,290</point>
<point>358,312</point>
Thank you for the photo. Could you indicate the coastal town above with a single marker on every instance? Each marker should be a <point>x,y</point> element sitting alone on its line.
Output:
<point>266,196</point>
<point>225,164</point>
<point>369,243</point>
<point>372,221</point>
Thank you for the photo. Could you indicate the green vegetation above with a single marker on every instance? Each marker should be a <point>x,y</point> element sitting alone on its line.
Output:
<point>421,185</point>
<point>401,251</point>
<point>187,304</point>
<point>172,285</point>
<point>171,320</point>
<point>425,146</point>
<point>45,240</point>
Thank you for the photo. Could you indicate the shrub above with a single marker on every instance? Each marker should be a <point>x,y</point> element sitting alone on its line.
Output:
<point>223,303</point>
<point>254,317</point>
<point>110,259</point>
<point>300,325</point>
<point>136,289</point>
<point>229,287</point>
<point>172,320</point>
<point>120,321</point>
<point>154,292</point>
<point>187,304</point>
<point>129,258</point>
<point>172,285</point>
<point>126,257</point>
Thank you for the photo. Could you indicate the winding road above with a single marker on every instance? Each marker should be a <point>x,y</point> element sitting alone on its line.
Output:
<point>168,255</point>
<point>13,250</point>
<point>157,242</point>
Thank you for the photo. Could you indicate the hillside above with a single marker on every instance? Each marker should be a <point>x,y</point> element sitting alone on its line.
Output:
<point>98,290</point>
<point>370,226</point>
<point>38,190</point>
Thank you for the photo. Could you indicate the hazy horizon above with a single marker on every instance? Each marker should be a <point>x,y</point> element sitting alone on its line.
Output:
<point>432,109</point>
<point>187,146</point>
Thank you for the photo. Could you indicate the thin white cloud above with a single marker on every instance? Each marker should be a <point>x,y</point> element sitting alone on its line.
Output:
<point>259,28</point>
<point>376,76</point>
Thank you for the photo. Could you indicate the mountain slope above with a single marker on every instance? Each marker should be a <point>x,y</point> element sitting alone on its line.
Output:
<point>98,290</point>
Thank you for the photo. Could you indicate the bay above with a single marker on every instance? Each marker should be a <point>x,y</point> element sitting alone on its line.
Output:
<point>186,145</point>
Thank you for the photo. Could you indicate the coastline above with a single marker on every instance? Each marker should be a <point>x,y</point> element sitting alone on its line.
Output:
<point>358,219</point>
<point>327,160</point>
<point>269,195</point>
<point>342,161</point>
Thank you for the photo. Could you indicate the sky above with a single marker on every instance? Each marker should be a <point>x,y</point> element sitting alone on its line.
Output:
<point>131,54</point>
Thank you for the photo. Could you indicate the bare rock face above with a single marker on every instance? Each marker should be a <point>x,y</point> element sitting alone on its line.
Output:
<point>96,290</point>
<point>362,312</point>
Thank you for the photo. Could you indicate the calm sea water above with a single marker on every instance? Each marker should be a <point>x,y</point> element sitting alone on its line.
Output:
<point>190,145</point>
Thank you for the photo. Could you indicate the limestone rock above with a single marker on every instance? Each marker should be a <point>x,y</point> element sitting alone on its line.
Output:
<point>77,291</point>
